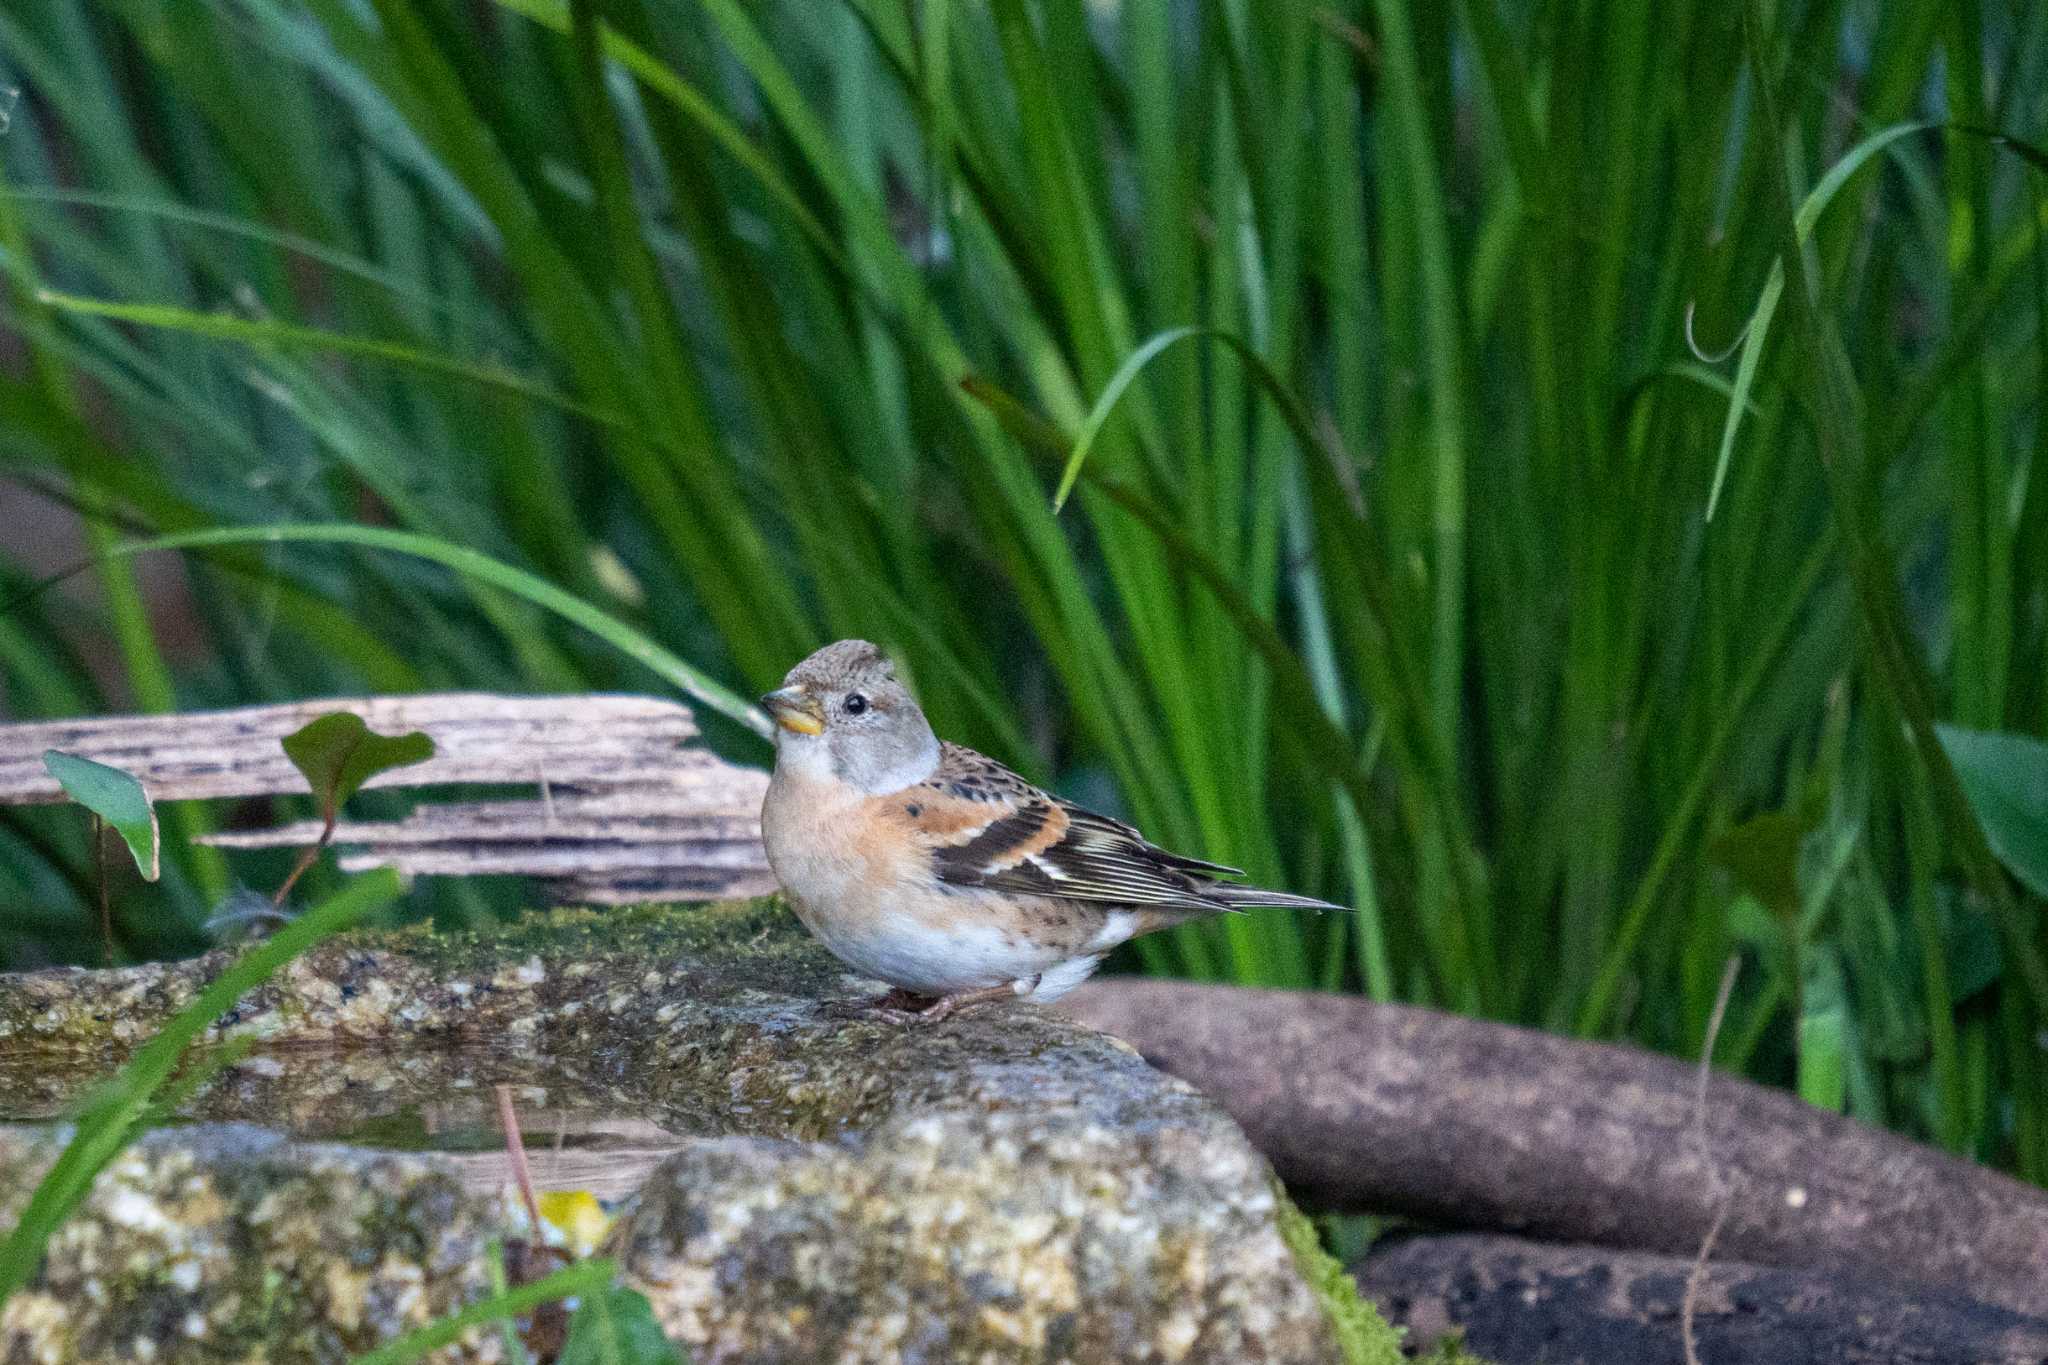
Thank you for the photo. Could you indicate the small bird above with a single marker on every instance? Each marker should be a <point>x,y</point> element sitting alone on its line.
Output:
<point>940,871</point>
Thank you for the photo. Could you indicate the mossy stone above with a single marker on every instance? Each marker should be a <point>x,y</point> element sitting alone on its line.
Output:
<point>1005,1187</point>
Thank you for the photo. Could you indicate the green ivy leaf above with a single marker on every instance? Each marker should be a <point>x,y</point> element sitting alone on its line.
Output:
<point>338,753</point>
<point>1755,927</point>
<point>617,1327</point>
<point>1762,853</point>
<point>2005,778</point>
<point>116,797</point>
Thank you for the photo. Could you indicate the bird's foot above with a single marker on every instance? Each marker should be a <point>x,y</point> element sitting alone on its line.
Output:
<point>896,1006</point>
<point>899,1006</point>
<point>948,1005</point>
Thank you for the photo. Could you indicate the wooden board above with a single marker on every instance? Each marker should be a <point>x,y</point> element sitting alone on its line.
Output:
<point>626,808</point>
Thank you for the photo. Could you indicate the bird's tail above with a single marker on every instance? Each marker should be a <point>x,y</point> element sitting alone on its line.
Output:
<point>1258,898</point>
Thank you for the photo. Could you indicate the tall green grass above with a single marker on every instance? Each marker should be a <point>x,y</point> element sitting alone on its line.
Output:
<point>1388,575</point>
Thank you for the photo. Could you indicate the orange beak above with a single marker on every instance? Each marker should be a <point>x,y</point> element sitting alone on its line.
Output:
<point>795,710</point>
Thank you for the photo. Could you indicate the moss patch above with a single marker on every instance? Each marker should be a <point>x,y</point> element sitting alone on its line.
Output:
<point>1450,1350</point>
<point>1364,1336</point>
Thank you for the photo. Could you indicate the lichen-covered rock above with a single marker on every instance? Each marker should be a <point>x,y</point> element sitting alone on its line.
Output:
<point>227,1242</point>
<point>987,1233</point>
<point>1005,1187</point>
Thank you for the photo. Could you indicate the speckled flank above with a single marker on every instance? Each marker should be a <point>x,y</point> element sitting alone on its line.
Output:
<point>1006,1187</point>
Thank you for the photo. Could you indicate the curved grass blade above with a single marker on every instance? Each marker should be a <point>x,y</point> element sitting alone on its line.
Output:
<point>1756,331</point>
<point>576,1281</point>
<point>266,332</point>
<point>1105,404</point>
<point>471,564</point>
<point>1693,371</point>
<point>341,261</point>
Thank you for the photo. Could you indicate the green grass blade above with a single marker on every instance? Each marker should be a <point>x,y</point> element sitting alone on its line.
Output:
<point>1897,655</point>
<point>1105,403</point>
<point>475,565</point>
<point>1756,332</point>
<point>577,1281</point>
<point>266,332</point>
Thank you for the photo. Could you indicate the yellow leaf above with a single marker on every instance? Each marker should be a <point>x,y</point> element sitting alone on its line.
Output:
<point>578,1217</point>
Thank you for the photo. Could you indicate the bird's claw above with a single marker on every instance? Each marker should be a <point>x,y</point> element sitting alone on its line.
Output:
<point>947,1006</point>
<point>891,1007</point>
<point>907,1007</point>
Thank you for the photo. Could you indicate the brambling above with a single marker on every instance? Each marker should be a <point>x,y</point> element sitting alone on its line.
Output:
<point>935,869</point>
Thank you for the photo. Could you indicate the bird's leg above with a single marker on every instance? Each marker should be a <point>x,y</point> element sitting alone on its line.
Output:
<point>948,1005</point>
<point>896,1004</point>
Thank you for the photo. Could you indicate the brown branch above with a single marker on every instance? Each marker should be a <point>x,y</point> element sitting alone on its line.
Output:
<point>1383,1108</point>
<point>479,737</point>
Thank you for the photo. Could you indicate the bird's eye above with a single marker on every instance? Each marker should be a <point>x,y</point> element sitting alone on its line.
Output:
<point>855,704</point>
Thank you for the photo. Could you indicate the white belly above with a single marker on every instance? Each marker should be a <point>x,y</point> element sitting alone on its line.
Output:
<point>908,950</point>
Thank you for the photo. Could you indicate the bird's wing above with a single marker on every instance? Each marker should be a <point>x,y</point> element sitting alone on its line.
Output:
<point>987,827</point>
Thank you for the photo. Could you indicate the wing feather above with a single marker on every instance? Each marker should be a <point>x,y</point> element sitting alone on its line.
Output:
<point>1034,843</point>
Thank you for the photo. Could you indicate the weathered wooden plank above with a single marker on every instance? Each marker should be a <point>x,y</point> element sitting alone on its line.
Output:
<point>479,737</point>
<point>539,859</point>
<point>625,810</point>
<point>452,825</point>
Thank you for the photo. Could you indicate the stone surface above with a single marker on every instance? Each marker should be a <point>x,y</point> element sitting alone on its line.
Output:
<point>229,1242</point>
<point>1007,1186</point>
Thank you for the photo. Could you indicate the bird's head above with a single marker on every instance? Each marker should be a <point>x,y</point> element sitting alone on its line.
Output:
<point>842,713</point>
